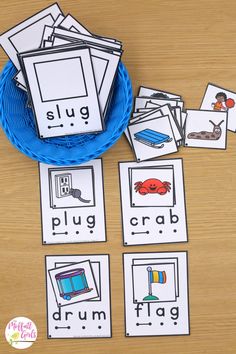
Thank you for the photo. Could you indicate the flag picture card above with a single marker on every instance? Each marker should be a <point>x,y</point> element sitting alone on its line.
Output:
<point>206,129</point>
<point>219,99</point>
<point>78,296</point>
<point>72,203</point>
<point>63,92</point>
<point>27,35</point>
<point>156,294</point>
<point>153,202</point>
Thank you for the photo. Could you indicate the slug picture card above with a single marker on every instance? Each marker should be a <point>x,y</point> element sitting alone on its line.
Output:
<point>27,35</point>
<point>156,294</point>
<point>63,92</point>
<point>153,202</point>
<point>72,203</point>
<point>219,99</point>
<point>206,129</point>
<point>78,296</point>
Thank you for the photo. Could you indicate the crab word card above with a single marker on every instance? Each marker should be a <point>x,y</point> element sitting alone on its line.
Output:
<point>153,202</point>
<point>78,296</point>
<point>219,99</point>
<point>156,294</point>
<point>72,203</point>
<point>206,129</point>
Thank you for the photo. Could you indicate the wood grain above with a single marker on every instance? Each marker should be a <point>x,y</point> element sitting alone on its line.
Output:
<point>177,46</point>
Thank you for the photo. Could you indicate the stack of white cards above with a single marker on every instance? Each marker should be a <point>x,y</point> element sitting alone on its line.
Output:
<point>67,72</point>
<point>156,125</point>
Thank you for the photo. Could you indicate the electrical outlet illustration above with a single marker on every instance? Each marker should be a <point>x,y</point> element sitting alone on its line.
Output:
<point>63,184</point>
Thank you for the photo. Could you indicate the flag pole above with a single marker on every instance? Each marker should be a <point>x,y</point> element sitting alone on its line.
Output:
<point>150,297</point>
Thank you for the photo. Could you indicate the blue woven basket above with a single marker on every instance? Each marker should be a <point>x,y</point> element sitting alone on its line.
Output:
<point>18,124</point>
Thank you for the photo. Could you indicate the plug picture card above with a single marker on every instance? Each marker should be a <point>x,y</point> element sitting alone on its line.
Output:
<point>153,202</point>
<point>156,294</point>
<point>78,296</point>
<point>206,129</point>
<point>27,35</point>
<point>63,92</point>
<point>72,203</point>
<point>219,99</point>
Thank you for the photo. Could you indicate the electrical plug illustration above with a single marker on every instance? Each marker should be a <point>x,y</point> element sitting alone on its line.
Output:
<point>63,185</point>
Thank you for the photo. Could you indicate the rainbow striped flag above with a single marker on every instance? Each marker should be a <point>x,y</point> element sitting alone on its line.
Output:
<point>157,277</point>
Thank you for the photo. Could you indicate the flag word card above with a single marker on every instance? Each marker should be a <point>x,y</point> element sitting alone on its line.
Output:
<point>72,203</point>
<point>206,129</point>
<point>153,202</point>
<point>156,294</point>
<point>78,296</point>
<point>219,99</point>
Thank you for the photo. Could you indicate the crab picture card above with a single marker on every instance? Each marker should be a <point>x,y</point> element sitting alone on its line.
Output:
<point>152,138</point>
<point>28,34</point>
<point>72,203</point>
<point>219,99</point>
<point>206,129</point>
<point>156,294</point>
<point>69,279</point>
<point>153,202</point>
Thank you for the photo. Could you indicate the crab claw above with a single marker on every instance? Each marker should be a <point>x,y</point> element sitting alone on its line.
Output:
<point>143,191</point>
<point>167,186</point>
<point>137,186</point>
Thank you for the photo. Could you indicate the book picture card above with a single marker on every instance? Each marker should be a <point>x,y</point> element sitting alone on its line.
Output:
<point>152,138</point>
<point>63,92</point>
<point>153,202</point>
<point>156,294</point>
<point>78,296</point>
<point>206,129</point>
<point>72,203</point>
<point>27,35</point>
<point>221,100</point>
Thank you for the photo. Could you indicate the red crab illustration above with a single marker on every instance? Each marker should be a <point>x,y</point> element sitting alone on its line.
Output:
<point>152,185</point>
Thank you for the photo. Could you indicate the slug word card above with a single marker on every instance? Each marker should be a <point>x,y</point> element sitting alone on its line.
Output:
<point>72,203</point>
<point>206,129</point>
<point>156,294</point>
<point>153,202</point>
<point>78,296</point>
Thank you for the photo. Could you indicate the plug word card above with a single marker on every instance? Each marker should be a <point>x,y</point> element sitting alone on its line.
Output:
<point>153,202</point>
<point>156,294</point>
<point>72,203</point>
<point>219,99</point>
<point>206,129</point>
<point>78,296</point>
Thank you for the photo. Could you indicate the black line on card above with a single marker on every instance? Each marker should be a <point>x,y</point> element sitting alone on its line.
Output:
<point>104,74</point>
<point>60,233</point>
<point>139,232</point>
<point>104,201</point>
<point>144,324</point>
<point>61,327</point>
<point>55,126</point>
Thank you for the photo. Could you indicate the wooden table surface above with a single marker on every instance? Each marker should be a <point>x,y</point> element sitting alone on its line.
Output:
<point>177,46</point>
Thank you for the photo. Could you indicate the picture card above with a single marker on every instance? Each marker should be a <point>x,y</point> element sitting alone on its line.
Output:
<point>148,102</point>
<point>27,35</point>
<point>72,203</point>
<point>219,99</point>
<point>206,129</point>
<point>152,138</point>
<point>63,92</point>
<point>153,202</point>
<point>69,279</point>
<point>154,93</point>
<point>156,294</point>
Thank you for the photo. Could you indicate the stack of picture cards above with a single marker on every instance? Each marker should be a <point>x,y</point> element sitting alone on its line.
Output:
<point>67,72</point>
<point>153,202</point>
<point>156,125</point>
<point>156,294</point>
<point>78,296</point>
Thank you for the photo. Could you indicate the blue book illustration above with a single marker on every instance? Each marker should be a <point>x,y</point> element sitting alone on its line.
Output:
<point>152,138</point>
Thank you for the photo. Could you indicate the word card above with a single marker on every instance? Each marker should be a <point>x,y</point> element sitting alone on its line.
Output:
<point>72,203</point>
<point>156,294</point>
<point>153,202</point>
<point>206,129</point>
<point>219,99</point>
<point>78,296</point>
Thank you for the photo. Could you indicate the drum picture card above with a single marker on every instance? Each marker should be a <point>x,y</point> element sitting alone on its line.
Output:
<point>156,294</point>
<point>153,202</point>
<point>219,99</point>
<point>69,278</point>
<point>63,92</point>
<point>206,129</point>
<point>72,203</point>
<point>27,35</point>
